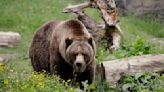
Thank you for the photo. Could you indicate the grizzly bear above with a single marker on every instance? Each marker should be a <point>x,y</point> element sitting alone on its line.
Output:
<point>64,48</point>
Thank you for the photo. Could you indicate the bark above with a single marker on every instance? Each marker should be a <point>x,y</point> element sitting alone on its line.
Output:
<point>9,39</point>
<point>113,70</point>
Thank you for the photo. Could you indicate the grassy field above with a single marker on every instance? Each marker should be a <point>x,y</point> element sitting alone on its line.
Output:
<point>25,16</point>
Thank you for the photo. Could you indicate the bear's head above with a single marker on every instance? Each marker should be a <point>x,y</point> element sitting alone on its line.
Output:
<point>77,46</point>
<point>80,53</point>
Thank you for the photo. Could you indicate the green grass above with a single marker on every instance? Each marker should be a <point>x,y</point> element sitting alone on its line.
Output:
<point>25,16</point>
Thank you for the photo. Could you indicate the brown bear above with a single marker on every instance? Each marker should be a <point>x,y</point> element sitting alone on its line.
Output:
<point>65,48</point>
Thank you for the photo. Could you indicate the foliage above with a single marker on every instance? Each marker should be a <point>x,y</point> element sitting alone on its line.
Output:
<point>141,82</point>
<point>127,49</point>
<point>35,82</point>
<point>138,47</point>
<point>102,54</point>
<point>11,81</point>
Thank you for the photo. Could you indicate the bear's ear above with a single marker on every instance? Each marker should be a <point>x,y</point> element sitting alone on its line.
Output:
<point>68,42</point>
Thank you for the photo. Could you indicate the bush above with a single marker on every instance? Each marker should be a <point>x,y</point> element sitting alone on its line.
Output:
<point>138,47</point>
<point>141,82</point>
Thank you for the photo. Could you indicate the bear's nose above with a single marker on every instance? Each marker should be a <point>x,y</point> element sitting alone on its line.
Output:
<point>78,64</point>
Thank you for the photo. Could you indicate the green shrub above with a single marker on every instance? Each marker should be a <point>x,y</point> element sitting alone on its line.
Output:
<point>138,47</point>
<point>141,82</point>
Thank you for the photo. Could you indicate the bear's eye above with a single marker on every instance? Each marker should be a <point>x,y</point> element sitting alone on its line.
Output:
<point>68,42</point>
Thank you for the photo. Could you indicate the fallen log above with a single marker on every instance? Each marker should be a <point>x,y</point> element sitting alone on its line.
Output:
<point>9,39</point>
<point>112,71</point>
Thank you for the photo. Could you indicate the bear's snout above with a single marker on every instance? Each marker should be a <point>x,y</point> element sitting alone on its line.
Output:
<point>79,64</point>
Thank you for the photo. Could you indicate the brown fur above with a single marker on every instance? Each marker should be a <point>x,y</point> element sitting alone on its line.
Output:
<point>56,45</point>
<point>38,51</point>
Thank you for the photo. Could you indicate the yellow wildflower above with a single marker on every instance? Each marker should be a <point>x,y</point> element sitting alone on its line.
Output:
<point>66,84</point>
<point>40,85</point>
<point>1,64</point>
<point>11,70</point>
<point>69,80</point>
<point>6,82</point>
<point>24,86</point>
